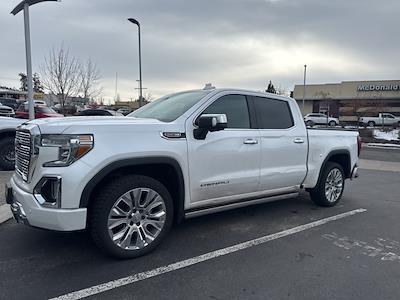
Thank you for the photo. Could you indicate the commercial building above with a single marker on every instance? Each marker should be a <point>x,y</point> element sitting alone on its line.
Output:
<point>350,100</point>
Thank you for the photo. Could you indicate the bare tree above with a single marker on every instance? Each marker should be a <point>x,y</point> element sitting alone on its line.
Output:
<point>60,73</point>
<point>148,96</point>
<point>89,77</point>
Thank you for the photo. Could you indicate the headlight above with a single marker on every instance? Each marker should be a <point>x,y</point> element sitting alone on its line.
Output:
<point>70,147</point>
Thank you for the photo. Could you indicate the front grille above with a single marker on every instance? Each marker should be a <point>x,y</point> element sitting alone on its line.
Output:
<point>23,153</point>
<point>5,111</point>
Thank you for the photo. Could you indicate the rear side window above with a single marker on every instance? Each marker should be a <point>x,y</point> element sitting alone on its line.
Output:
<point>235,108</point>
<point>272,114</point>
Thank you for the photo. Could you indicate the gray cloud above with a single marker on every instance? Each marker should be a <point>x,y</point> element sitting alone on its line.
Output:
<point>241,43</point>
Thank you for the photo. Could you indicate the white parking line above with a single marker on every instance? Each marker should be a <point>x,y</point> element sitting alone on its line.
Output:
<point>198,259</point>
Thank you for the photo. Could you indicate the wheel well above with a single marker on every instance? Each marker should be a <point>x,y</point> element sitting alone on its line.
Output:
<point>4,134</point>
<point>342,159</point>
<point>166,173</point>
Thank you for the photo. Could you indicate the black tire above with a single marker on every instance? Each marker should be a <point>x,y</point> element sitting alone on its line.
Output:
<point>318,194</point>
<point>7,154</point>
<point>332,123</point>
<point>371,124</point>
<point>310,123</point>
<point>103,203</point>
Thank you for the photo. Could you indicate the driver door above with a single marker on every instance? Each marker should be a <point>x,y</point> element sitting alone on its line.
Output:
<point>225,166</point>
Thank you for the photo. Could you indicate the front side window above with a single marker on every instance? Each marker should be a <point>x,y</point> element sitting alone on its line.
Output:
<point>169,108</point>
<point>234,107</point>
<point>272,114</point>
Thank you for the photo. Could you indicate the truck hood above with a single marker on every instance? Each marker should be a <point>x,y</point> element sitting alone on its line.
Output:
<point>7,122</point>
<point>86,124</point>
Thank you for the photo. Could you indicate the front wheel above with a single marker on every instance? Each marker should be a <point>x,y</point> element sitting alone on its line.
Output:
<point>329,189</point>
<point>130,216</point>
<point>371,124</point>
<point>310,123</point>
<point>332,123</point>
<point>7,154</point>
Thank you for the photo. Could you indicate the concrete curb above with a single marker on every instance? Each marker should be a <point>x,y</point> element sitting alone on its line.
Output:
<point>5,213</point>
<point>382,146</point>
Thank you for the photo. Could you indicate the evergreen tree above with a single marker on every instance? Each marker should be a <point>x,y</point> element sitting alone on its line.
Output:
<point>270,88</point>
<point>37,84</point>
<point>24,82</point>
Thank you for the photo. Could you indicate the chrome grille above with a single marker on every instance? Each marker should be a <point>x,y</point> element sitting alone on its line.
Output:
<point>23,152</point>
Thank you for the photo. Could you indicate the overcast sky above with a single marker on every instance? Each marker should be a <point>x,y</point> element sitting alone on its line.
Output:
<point>230,43</point>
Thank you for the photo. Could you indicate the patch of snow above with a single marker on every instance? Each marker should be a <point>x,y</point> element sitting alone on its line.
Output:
<point>392,135</point>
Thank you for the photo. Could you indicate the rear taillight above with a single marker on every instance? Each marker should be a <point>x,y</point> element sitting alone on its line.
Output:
<point>359,145</point>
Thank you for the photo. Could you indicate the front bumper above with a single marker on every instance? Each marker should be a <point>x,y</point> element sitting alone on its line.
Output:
<point>27,210</point>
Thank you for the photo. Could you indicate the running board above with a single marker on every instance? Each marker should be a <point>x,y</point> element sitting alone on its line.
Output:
<point>243,203</point>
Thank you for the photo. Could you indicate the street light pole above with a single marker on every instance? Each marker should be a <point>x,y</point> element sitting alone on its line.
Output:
<point>304,86</point>
<point>24,5</point>
<point>134,21</point>
<point>28,62</point>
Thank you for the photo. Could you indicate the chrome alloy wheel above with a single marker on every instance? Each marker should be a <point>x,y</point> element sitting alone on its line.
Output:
<point>136,218</point>
<point>333,185</point>
<point>10,154</point>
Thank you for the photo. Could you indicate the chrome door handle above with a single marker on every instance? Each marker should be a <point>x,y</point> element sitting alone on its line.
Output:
<point>298,141</point>
<point>250,142</point>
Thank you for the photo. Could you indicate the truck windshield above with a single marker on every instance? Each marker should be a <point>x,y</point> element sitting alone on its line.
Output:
<point>169,108</point>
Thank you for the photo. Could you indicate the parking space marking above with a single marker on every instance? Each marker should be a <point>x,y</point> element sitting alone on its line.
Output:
<point>383,249</point>
<point>201,258</point>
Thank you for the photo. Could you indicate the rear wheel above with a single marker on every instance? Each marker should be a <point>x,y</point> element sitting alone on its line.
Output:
<point>329,189</point>
<point>7,154</point>
<point>131,216</point>
<point>332,123</point>
<point>371,124</point>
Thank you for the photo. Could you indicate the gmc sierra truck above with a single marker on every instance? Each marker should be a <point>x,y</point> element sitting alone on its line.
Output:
<point>127,179</point>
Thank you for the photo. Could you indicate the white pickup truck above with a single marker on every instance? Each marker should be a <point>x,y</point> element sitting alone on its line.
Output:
<point>127,179</point>
<point>381,119</point>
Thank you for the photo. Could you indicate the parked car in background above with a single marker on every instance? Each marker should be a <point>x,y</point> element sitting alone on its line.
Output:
<point>124,110</point>
<point>40,112</point>
<point>98,112</point>
<point>37,102</point>
<point>320,119</point>
<point>8,127</point>
<point>6,111</point>
<point>380,120</point>
<point>10,103</point>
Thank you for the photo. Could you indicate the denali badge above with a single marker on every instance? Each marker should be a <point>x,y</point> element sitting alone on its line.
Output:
<point>212,184</point>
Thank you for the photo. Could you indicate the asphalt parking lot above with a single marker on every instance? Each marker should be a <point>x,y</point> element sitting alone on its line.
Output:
<point>350,256</point>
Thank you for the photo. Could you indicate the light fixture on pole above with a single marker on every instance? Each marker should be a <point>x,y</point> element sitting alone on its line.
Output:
<point>134,21</point>
<point>304,86</point>
<point>24,5</point>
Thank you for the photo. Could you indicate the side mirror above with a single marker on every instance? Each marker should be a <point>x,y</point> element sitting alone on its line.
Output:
<point>209,123</point>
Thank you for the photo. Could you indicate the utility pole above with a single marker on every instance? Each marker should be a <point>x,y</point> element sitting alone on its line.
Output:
<point>134,21</point>
<point>140,88</point>
<point>24,5</point>
<point>116,87</point>
<point>304,87</point>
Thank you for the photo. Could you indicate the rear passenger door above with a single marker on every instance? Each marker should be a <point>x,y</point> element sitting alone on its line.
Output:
<point>283,145</point>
